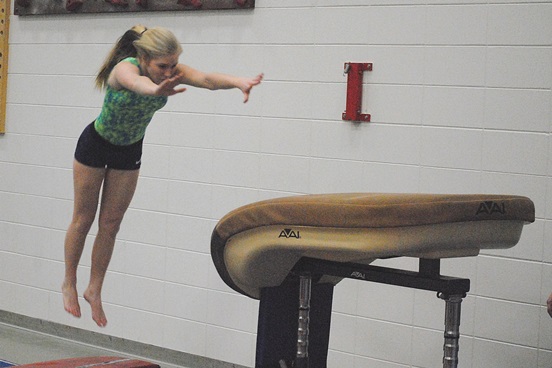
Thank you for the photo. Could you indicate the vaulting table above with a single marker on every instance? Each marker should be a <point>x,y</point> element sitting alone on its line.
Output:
<point>290,252</point>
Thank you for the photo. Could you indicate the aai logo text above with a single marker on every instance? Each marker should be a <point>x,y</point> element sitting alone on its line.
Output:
<point>289,233</point>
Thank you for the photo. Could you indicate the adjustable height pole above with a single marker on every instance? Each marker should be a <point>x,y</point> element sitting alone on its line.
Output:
<point>452,329</point>
<point>302,360</point>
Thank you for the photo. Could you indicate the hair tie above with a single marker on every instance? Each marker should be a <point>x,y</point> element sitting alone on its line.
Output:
<point>145,29</point>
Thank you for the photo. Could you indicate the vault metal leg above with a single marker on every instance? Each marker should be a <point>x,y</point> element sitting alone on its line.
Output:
<point>305,284</point>
<point>452,329</point>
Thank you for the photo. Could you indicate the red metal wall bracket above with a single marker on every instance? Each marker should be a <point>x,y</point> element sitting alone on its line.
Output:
<point>355,73</point>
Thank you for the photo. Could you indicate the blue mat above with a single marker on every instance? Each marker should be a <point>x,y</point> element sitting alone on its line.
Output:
<point>3,363</point>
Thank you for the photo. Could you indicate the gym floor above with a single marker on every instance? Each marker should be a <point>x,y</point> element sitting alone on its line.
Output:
<point>22,346</point>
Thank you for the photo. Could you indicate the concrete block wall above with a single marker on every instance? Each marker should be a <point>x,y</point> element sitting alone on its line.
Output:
<point>461,102</point>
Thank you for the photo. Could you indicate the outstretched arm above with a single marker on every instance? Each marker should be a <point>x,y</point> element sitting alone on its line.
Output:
<point>214,81</point>
<point>126,75</point>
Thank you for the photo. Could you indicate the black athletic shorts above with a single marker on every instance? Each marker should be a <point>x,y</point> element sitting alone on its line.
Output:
<point>93,150</point>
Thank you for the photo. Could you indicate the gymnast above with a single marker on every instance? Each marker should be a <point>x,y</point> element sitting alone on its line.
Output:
<point>139,74</point>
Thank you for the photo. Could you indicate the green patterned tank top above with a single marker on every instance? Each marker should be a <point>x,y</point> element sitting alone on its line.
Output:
<point>125,114</point>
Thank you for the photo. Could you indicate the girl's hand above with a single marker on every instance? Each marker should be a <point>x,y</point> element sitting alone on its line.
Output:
<point>167,87</point>
<point>247,84</point>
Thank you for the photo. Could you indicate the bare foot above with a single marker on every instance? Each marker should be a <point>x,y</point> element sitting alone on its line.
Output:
<point>71,299</point>
<point>95,302</point>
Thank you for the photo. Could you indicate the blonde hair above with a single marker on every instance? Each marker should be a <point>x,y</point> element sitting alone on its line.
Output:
<point>157,42</point>
<point>139,42</point>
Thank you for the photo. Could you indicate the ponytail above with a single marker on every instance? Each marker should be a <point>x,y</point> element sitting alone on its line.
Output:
<point>123,48</point>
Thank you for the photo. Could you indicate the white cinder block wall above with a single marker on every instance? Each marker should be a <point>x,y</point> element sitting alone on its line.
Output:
<point>461,102</point>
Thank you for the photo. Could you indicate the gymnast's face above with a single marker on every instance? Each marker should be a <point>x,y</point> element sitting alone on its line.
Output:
<point>161,68</point>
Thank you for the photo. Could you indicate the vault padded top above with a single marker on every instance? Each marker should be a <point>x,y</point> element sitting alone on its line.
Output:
<point>256,245</point>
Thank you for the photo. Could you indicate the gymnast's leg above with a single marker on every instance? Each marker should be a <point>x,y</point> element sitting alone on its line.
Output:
<point>118,189</point>
<point>87,183</point>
